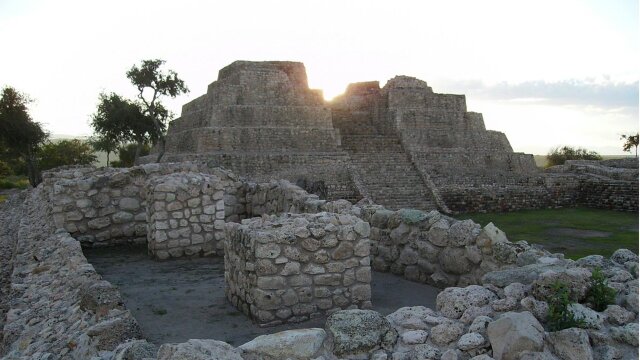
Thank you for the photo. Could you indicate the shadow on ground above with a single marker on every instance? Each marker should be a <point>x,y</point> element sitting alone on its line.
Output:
<point>183,299</point>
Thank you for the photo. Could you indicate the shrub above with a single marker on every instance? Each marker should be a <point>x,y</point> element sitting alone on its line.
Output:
<point>600,295</point>
<point>559,316</point>
<point>560,155</point>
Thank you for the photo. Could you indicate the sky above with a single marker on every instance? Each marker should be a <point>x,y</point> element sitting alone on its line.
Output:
<point>547,73</point>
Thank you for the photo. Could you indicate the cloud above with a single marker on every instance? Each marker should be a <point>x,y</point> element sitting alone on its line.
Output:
<point>604,94</point>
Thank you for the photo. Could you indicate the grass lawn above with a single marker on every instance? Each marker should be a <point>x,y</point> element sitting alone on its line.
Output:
<point>575,232</point>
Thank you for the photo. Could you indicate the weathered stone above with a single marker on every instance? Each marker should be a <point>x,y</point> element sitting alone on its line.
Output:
<point>577,280</point>
<point>471,341</point>
<point>571,344</point>
<point>626,334</point>
<point>196,349</point>
<point>618,315</point>
<point>622,256</point>
<point>446,333</point>
<point>437,234</point>
<point>413,337</point>
<point>359,332</point>
<point>135,350</point>
<point>514,333</point>
<point>452,302</point>
<point>425,352</point>
<point>591,318</point>
<point>289,344</point>
<point>129,204</point>
<point>454,261</point>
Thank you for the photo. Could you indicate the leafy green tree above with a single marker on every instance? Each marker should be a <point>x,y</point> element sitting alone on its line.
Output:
<point>120,120</point>
<point>560,155</point>
<point>104,143</point>
<point>66,152</point>
<point>127,154</point>
<point>19,134</point>
<point>631,141</point>
<point>152,84</point>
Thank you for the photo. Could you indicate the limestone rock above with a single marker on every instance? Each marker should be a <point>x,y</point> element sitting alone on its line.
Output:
<point>446,333</point>
<point>626,334</point>
<point>135,350</point>
<point>100,297</point>
<point>517,291</point>
<point>571,344</point>
<point>577,280</point>
<point>479,325</point>
<point>525,275</point>
<point>410,317</point>
<point>359,331</point>
<point>491,235</point>
<point>425,352</point>
<point>470,341</point>
<point>197,349</point>
<point>452,302</point>
<point>539,309</point>
<point>618,315</point>
<point>114,330</point>
<point>591,318</point>
<point>413,337</point>
<point>514,333</point>
<point>289,344</point>
<point>622,256</point>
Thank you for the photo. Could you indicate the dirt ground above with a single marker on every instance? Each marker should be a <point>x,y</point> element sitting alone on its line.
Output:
<point>184,299</point>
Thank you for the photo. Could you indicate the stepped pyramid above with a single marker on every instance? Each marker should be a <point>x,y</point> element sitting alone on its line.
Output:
<point>401,146</point>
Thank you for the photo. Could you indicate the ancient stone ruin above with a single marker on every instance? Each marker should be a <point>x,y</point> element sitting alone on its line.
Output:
<point>290,256</point>
<point>371,169</point>
<point>401,146</point>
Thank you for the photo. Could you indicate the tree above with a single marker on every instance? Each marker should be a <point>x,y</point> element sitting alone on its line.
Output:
<point>19,133</point>
<point>152,83</point>
<point>119,120</point>
<point>560,155</point>
<point>630,141</point>
<point>66,152</point>
<point>104,143</point>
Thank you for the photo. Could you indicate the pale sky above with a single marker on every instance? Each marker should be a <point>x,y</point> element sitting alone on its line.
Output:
<point>545,72</point>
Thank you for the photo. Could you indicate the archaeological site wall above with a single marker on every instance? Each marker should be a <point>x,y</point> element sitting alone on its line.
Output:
<point>311,257</point>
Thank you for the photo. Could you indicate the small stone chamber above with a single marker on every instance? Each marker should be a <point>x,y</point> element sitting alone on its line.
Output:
<point>294,267</point>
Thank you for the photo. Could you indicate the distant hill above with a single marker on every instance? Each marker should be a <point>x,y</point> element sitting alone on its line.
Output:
<point>541,160</point>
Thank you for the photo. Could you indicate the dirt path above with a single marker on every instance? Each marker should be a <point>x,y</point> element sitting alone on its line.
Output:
<point>179,300</point>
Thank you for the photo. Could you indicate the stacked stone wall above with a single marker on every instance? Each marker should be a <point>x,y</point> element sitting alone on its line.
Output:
<point>59,306</point>
<point>329,170</point>
<point>296,267</point>
<point>186,213</point>
<point>99,207</point>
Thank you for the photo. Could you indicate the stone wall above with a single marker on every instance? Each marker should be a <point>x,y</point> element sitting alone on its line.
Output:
<point>59,307</point>
<point>186,214</point>
<point>296,267</point>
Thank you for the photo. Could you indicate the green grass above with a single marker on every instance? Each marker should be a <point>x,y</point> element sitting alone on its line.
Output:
<point>575,232</point>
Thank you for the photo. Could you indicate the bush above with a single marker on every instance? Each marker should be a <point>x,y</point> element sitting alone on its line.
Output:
<point>560,155</point>
<point>66,152</point>
<point>559,316</point>
<point>14,182</point>
<point>127,154</point>
<point>600,295</point>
